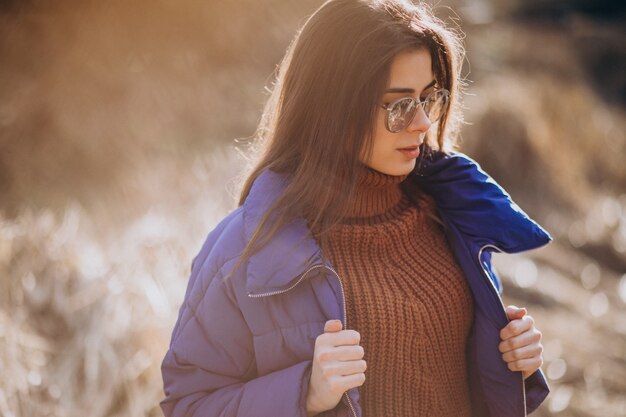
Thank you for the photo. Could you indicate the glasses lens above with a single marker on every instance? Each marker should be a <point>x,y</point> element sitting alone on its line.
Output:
<point>401,114</point>
<point>436,105</point>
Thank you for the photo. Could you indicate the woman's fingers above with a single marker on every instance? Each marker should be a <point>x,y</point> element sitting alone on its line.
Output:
<point>516,327</point>
<point>524,339</point>
<point>525,352</point>
<point>333,326</point>
<point>340,338</point>
<point>344,368</point>
<point>337,366</point>
<point>528,365</point>
<point>344,383</point>
<point>348,353</point>
<point>520,346</point>
<point>514,312</point>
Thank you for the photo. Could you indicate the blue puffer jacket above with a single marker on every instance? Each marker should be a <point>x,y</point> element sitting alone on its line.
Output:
<point>244,346</point>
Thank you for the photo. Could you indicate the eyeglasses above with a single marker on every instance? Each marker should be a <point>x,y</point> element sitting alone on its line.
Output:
<point>400,113</point>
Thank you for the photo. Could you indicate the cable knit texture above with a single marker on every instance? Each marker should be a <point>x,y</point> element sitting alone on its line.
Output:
<point>407,297</point>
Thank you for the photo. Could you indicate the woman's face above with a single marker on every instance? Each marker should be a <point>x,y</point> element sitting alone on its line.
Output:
<point>410,75</point>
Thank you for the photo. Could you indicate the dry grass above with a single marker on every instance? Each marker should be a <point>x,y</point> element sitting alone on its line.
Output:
<point>85,319</point>
<point>533,112</point>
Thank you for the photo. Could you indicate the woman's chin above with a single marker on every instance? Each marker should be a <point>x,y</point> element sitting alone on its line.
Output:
<point>399,168</point>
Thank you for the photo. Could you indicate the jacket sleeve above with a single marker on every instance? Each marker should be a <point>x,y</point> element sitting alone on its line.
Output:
<point>210,369</point>
<point>537,389</point>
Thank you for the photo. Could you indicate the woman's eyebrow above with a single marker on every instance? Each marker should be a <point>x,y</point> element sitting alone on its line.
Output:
<point>408,90</point>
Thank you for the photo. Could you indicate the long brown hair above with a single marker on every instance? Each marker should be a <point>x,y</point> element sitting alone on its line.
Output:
<point>322,108</point>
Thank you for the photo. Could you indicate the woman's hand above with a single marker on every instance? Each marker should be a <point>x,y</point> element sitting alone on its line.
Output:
<point>521,348</point>
<point>337,367</point>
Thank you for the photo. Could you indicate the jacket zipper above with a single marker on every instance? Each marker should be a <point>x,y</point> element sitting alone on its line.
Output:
<point>486,274</point>
<point>343,299</point>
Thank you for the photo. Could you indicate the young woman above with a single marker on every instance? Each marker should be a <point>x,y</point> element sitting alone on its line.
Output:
<point>354,278</point>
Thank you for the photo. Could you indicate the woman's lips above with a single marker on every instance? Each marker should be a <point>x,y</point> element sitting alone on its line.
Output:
<point>411,152</point>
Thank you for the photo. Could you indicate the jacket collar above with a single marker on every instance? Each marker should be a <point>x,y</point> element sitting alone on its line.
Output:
<point>293,247</point>
<point>477,205</point>
<point>470,199</point>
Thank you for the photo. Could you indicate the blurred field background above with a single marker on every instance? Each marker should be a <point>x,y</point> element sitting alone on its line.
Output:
<point>118,123</point>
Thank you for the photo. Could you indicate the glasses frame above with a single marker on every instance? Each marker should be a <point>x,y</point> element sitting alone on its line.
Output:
<point>417,103</point>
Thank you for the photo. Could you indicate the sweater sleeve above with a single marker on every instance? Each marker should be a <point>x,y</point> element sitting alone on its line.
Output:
<point>210,368</point>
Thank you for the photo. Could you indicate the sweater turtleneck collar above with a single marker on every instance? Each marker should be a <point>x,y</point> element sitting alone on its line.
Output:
<point>377,193</point>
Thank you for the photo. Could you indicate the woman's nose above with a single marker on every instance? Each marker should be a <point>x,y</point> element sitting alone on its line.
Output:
<point>420,121</point>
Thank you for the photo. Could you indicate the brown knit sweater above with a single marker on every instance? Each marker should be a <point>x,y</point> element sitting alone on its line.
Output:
<point>407,297</point>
